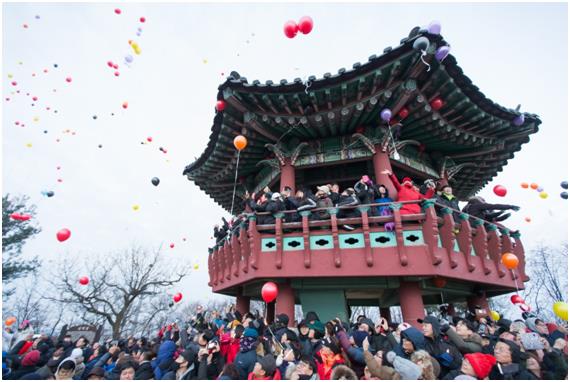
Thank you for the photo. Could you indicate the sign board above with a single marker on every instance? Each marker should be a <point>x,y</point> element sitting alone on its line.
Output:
<point>91,332</point>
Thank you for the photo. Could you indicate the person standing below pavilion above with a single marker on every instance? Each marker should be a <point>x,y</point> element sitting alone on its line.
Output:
<point>407,192</point>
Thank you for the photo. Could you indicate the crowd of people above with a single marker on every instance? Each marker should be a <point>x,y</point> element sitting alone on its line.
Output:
<point>365,192</point>
<point>231,345</point>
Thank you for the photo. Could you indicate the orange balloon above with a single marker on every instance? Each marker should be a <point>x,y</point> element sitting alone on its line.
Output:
<point>509,260</point>
<point>524,185</point>
<point>240,142</point>
<point>10,321</point>
<point>534,186</point>
<point>527,219</point>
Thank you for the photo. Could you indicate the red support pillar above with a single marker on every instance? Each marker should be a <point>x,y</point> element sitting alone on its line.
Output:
<point>287,176</point>
<point>242,303</point>
<point>285,302</point>
<point>381,162</point>
<point>411,302</point>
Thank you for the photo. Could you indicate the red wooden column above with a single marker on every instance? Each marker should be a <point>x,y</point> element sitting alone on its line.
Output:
<point>411,302</point>
<point>242,303</point>
<point>287,175</point>
<point>285,302</point>
<point>381,162</point>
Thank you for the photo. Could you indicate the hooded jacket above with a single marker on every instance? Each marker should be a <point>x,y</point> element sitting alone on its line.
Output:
<point>164,359</point>
<point>246,358</point>
<point>406,193</point>
<point>445,353</point>
<point>415,337</point>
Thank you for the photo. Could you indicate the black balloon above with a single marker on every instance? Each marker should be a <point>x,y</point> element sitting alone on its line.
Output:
<point>564,185</point>
<point>155,181</point>
<point>422,43</point>
<point>50,194</point>
<point>564,195</point>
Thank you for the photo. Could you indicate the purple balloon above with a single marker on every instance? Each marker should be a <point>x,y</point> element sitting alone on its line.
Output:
<point>540,189</point>
<point>434,27</point>
<point>519,120</point>
<point>129,58</point>
<point>386,114</point>
<point>441,53</point>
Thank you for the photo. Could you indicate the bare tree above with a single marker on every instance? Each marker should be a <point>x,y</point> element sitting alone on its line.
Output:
<point>547,268</point>
<point>27,304</point>
<point>119,283</point>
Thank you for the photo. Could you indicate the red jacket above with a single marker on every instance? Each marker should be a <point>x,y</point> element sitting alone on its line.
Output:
<point>229,347</point>
<point>406,193</point>
<point>276,376</point>
<point>325,368</point>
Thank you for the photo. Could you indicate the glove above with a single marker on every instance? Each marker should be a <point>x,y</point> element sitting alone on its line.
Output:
<point>515,208</point>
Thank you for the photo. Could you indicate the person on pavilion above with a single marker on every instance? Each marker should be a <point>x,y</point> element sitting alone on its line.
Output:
<point>406,192</point>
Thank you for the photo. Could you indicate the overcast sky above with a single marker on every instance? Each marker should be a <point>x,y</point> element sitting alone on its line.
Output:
<point>515,53</point>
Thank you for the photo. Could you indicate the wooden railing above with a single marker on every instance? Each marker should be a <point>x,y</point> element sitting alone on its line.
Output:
<point>480,242</point>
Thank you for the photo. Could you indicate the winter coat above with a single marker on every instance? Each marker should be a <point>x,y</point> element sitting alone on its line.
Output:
<point>348,201</point>
<point>355,354</point>
<point>196,371</point>
<point>481,210</point>
<point>366,192</point>
<point>164,359</point>
<point>377,370</point>
<point>20,372</point>
<point>383,210</point>
<point>325,366</point>
<point>144,371</point>
<point>445,353</point>
<point>472,344</point>
<point>229,347</point>
<point>323,203</point>
<point>276,376</point>
<point>449,202</point>
<point>245,362</point>
<point>512,371</point>
<point>380,342</point>
<point>406,193</point>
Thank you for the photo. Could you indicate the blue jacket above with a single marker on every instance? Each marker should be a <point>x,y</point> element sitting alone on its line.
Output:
<point>165,354</point>
<point>245,362</point>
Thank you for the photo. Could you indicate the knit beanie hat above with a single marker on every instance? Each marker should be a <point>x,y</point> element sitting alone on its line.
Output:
<point>407,369</point>
<point>531,323</point>
<point>31,359</point>
<point>531,341</point>
<point>250,332</point>
<point>268,365</point>
<point>282,318</point>
<point>481,363</point>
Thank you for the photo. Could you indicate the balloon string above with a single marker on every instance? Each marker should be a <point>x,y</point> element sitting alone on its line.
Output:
<point>235,184</point>
<point>393,140</point>
<point>307,86</point>
<point>516,283</point>
<point>424,53</point>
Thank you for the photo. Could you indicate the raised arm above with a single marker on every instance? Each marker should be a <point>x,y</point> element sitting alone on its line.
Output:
<point>393,179</point>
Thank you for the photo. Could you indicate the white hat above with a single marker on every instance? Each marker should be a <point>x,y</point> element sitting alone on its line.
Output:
<point>275,196</point>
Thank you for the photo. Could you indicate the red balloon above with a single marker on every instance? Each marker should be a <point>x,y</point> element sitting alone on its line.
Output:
<point>84,280</point>
<point>403,113</point>
<point>68,79</point>
<point>500,190</point>
<point>516,299</point>
<point>177,297</point>
<point>171,245</point>
<point>117,74</point>
<point>149,139</point>
<point>269,291</point>
<point>142,19</point>
<point>118,11</point>
<point>220,105</point>
<point>110,64</point>
<point>436,104</point>
<point>63,234</point>
<point>290,29</point>
<point>305,25</point>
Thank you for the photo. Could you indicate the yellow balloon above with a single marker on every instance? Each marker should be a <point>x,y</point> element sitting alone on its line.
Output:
<point>205,61</point>
<point>196,267</point>
<point>10,76</point>
<point>495,316</point>
<point>543,195</point>
<point>36,119</point>
<point>29,145</point>
<point>560,308</point>
<point>136,207</point>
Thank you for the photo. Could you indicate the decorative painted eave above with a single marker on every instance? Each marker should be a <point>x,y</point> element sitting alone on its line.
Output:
<point>469,128</point>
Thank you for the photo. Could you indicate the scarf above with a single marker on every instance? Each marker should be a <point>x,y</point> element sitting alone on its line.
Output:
<point>247,343</point>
